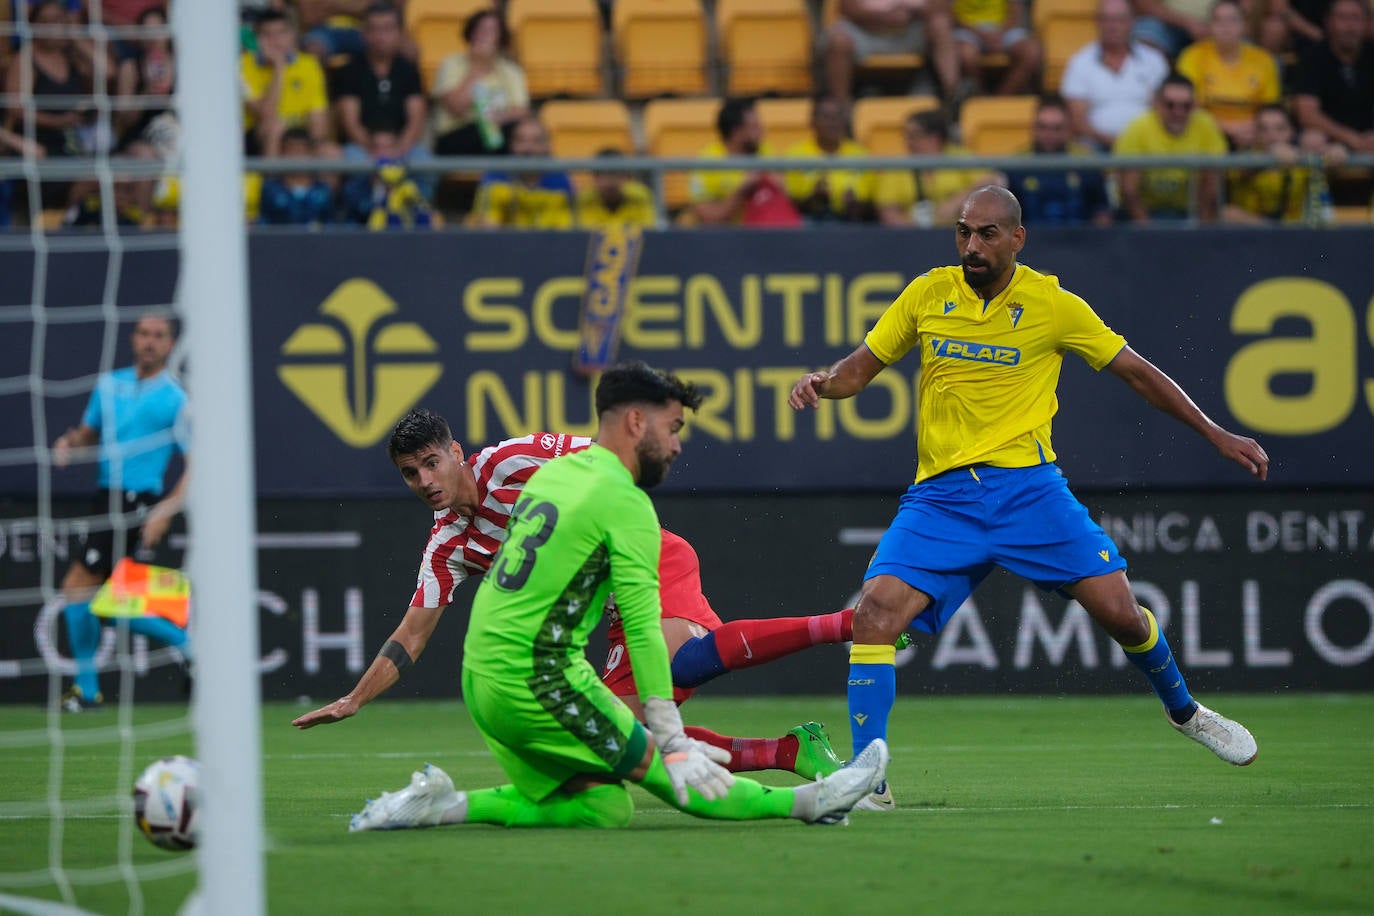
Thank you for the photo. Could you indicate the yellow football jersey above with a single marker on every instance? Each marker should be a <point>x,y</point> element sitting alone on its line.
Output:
<point>989,368</point>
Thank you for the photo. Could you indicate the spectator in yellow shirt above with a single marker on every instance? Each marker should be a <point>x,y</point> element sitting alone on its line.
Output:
<point>1174,126</point>
<point>1233,78</point>
<point>835,194</point>
<point>718,197</point>
<point>525,200</point>
<point>1283,193</point>
<point>615,197</point>
<point>927,197</point>
<point>282,88</point>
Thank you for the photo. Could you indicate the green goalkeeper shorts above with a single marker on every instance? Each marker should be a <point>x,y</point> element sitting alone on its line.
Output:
<point>555,726</point>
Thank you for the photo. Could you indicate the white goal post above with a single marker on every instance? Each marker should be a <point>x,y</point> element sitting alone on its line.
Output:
<point>222,556</point>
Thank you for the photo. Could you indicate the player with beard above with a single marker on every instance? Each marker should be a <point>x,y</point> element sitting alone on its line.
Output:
<point>472,501</point>
<point>991,334</point>
<point>583,526</point>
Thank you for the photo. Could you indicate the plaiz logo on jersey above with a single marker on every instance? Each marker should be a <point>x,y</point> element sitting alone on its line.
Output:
<point>358,371</point>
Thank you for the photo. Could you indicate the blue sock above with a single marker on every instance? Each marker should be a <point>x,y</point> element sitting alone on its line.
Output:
<point>83,630</point>
<point>697,661</point>
<point>872,688</point>
<point>163,631</point>
<point>1156,661</point>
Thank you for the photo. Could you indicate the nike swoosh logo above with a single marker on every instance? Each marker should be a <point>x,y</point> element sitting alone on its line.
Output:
<point>748,653</point>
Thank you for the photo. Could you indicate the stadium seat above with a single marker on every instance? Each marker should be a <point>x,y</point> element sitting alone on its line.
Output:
<point>1353,215</point>
<point>581,128</point>
<point>660,47</point>
<point>765,45</point>
<point>997,125</point>
<point>878,122</point>
<point>437,28</point>
<point>679,127</point>
<point>558,43</point>
<point>885,67</point>
<point>1064,27</point>
<point>785,121</point>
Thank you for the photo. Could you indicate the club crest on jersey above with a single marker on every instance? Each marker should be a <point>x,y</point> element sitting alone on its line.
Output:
<point>1015,310</point>
<point>950,306</point>
<point>975,352</point>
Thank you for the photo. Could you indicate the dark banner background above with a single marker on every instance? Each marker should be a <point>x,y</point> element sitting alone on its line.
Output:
<point>1257,592</point>
<point>1269,331</point>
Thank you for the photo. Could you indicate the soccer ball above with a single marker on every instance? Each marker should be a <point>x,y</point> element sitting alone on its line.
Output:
<point>165,802</point>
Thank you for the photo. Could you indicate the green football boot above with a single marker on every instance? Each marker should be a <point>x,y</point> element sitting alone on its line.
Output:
<point>815,756</point>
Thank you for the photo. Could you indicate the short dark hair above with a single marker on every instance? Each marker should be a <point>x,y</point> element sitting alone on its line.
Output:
<point>637,383</point>
<point>266,16</point>
<point>473,21</point>
<point>150,12</point>
<point>1176,79</point>
<point>160,313</point>
<point>1275,107</point>
<point>418,428</point>
<point>930,122</point>
<point>1052,100</point>
<point>731,116</point>
<point>297,133</point>
<point>382,8</point>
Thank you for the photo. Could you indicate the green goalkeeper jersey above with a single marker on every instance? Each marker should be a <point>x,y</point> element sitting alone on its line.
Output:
<point>580,530</point>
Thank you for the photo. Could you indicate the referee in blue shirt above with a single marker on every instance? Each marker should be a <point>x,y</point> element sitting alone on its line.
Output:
<point>135,414</point>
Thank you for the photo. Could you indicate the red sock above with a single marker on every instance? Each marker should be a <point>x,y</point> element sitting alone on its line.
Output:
<point>747,754</point>
<point>746,643</point>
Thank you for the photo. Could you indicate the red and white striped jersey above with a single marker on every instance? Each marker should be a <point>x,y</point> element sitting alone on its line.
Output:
<point>460,547</point>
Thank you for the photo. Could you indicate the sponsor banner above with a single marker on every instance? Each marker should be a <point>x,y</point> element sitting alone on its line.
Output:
<point>1255,592</point>
<point>1270,332</point>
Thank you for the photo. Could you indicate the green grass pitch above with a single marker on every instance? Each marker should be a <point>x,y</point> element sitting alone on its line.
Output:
<point>1007,805</point>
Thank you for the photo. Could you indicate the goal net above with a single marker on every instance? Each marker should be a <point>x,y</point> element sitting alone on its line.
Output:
<point>107,311</point>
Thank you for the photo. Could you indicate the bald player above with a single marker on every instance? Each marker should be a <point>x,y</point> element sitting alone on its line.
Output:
<point>991,333</point>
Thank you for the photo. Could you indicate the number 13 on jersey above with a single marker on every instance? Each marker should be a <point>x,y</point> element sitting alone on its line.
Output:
<point>531,525</point>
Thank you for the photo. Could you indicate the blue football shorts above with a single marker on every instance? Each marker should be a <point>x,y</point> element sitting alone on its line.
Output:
<point>952,529</point>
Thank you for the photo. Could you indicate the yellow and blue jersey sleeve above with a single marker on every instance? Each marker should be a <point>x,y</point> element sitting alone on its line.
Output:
<point>1081,331</point>
<point>898,328</point>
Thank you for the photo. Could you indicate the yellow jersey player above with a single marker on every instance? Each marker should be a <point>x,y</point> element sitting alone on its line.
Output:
<point>992,334</point>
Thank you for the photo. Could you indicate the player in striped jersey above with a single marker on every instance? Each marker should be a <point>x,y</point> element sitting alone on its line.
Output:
<point>472,500</point>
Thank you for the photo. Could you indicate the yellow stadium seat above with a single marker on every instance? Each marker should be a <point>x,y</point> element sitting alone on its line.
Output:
<point>997,125</point>
<point>785,121</point>
<point>1353,216</point>
<point>660,47</point>
<point>1042,11</point>
<point>878,122</point>
<point>766,46</point>
<point>558,43</point>
<point>679,127</point>
<point>581,128</point>
<point>1064,27</point>
<point>437,28</point>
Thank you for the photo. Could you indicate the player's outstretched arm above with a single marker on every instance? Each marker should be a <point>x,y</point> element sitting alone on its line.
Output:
<point>398,653</point>
<point>1164,393</point>
<point>844,379</point>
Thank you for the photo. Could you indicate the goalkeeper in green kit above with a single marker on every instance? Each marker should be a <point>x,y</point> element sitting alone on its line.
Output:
<point>584,527</point>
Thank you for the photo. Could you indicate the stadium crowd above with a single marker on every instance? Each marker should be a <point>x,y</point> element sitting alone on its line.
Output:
<point>397,83</point>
